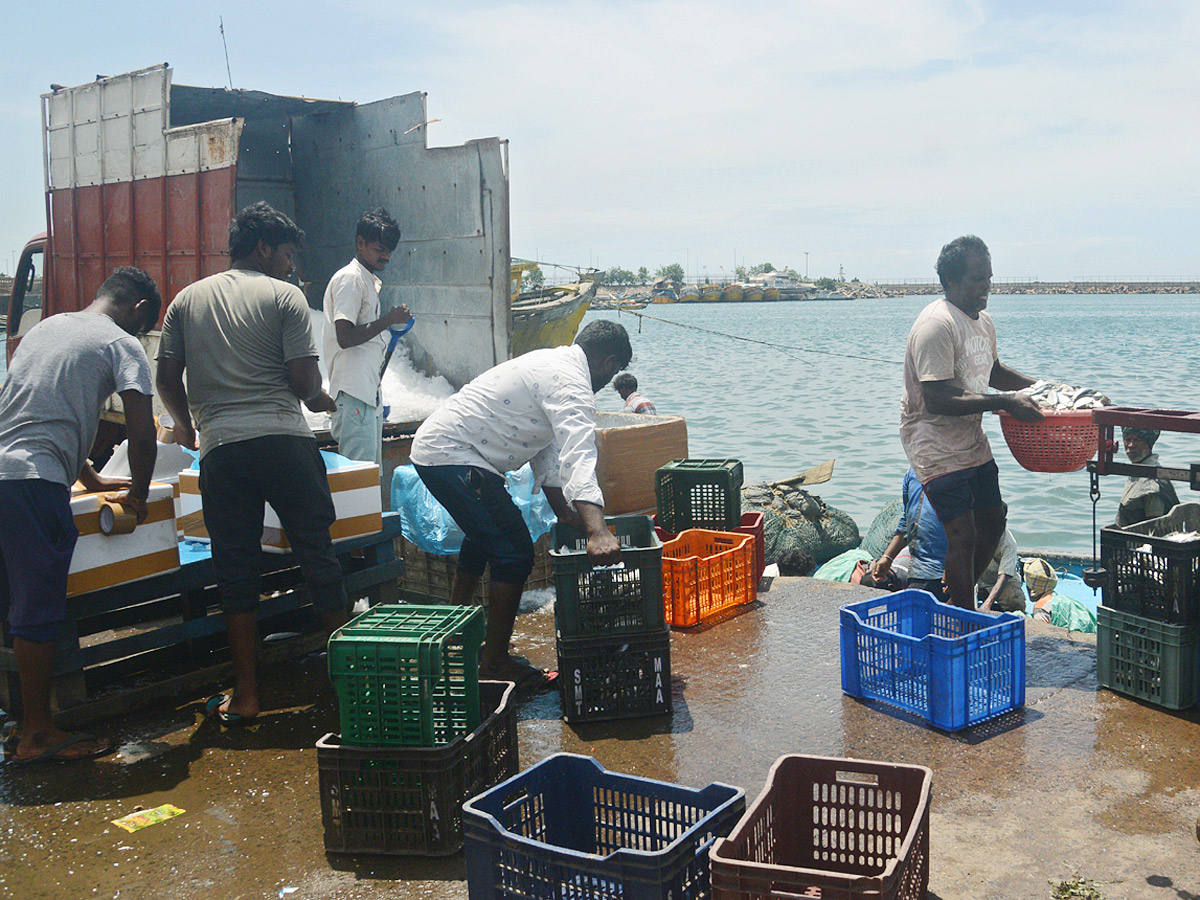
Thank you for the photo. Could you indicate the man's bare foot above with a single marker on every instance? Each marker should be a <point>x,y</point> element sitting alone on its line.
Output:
<point>56,745</point>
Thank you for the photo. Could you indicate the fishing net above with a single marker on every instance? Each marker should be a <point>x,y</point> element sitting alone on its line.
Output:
<point>796,519</point>
<point>883,526</point>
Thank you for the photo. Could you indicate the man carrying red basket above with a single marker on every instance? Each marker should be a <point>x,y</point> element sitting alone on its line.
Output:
<point>949,365</point>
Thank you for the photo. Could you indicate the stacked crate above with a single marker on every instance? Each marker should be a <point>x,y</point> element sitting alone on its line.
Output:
<point>614,649</point>
<point>713,555</point>
<point>420,733</point>
<point>1148,626</point>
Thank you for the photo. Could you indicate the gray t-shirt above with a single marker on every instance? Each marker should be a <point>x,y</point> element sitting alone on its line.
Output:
<point>235,332</point>
<point>60,378</point>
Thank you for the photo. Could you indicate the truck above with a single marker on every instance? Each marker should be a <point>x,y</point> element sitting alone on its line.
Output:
<point>142,171</point>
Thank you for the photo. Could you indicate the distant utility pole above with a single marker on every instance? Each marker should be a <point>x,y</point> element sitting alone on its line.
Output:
<point>806,265</point>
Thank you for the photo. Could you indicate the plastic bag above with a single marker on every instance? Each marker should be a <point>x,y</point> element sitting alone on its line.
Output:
<point>426,523</point>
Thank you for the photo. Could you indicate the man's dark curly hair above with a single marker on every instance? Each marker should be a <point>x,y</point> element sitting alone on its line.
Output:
<point>952,261</point>
<point>376,225</point>
<point>261,222</point>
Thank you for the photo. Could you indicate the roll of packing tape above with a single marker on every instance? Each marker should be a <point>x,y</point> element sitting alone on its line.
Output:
<point>115,519</point>
<point>166,429</point>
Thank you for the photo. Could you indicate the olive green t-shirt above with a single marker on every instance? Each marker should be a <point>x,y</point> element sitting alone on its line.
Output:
<point>235,332</point>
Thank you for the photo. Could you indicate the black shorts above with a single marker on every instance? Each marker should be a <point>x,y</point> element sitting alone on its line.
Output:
<point>958,493</point>
<point>37,541</point>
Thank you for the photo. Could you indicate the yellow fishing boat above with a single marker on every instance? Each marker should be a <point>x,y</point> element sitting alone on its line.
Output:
<point>732,293</point>
<point>546,317</point>
<point>710,293</point>
<point>689,294</point>
<point>753,293</point>
<point>771,293</point>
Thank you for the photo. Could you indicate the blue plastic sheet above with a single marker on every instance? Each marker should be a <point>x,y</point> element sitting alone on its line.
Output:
<point>427,524</point>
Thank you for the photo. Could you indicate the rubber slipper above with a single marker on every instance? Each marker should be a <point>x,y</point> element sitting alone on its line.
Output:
<point>53,754</point>
<point>537,681</point>
<point>212,709</point>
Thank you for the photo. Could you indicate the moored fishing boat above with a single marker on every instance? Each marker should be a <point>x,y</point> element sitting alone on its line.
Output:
<point>753,293</point>
<point>732,293</point>
<point>689,293</point>
<point>771,294</point>
<point>664,292</point>
<point>549,317</point>
<point>710,293</point>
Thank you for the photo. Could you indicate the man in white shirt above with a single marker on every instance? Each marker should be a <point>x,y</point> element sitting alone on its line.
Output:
<point>356,339</point>
<point>539,408</point>
<point>949,364</point>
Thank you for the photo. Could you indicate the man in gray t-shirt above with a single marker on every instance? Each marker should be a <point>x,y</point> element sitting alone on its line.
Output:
<point>60,378</point>
<point>244,337</point>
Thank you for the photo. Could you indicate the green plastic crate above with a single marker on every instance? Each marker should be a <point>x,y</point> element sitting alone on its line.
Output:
<point>1143,658</point>
<point>596,602</point>
<point>699,493</point>
<point>407,675</point>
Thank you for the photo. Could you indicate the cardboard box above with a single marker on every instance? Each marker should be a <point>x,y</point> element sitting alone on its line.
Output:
<point>103,560</point>
<point>356,501</point>
<point>630,449</point>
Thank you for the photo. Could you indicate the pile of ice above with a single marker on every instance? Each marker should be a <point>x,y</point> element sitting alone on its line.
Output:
<point>408,395</point>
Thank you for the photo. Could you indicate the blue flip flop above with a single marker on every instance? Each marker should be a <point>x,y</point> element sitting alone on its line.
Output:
<point>212,709</point>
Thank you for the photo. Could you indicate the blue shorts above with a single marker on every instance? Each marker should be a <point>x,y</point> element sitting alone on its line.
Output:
<point>37,540</point>
<point>961,492</point>
<point>494,532</point>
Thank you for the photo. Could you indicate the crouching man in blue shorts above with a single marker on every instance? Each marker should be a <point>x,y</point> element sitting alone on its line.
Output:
<point>949,364</point>
<point>62,374</point>
<point>540,409</point>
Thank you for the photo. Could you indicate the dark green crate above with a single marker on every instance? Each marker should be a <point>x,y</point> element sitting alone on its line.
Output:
<point>1146,659</point>
<point>699,493</point>
<point>624,677</point>
<point>407,675</point>
<point>597,602</point>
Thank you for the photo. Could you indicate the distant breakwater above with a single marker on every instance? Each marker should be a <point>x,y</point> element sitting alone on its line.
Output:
<point>910,288</point>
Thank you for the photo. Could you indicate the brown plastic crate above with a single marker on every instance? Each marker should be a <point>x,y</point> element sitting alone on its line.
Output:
<point>827,827</point>
<point>433,575</point>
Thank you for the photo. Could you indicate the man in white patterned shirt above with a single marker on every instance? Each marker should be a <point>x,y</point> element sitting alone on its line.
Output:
<point>539,408</point>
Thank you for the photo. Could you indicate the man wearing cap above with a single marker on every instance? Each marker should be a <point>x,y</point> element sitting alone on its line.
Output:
<point>1143,498</point>
<point>949,365</point>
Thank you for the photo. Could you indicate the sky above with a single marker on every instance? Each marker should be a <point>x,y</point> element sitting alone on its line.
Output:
<point>824,135</point>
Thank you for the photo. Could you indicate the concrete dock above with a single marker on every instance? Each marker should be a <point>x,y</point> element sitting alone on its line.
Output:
<point>1080,783</point>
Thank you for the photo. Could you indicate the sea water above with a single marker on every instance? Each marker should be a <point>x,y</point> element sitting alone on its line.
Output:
<point>783,410</point>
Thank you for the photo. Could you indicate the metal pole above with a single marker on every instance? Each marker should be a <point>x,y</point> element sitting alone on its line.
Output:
<point>806,265</point>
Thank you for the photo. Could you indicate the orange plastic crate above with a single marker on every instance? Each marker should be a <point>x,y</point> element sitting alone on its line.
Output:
<point>705,572</point>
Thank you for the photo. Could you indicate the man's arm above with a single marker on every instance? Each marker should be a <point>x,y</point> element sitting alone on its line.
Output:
<point>562,509</point>
<point>1005,379</point>
<point>899,542</point>
<point>304,378</point>
<point>1001,581</point>
<point>603,549</point>
<point>143,450</point>
<point>351,335</point>
<point>948,398</point>
<point>169,382</point>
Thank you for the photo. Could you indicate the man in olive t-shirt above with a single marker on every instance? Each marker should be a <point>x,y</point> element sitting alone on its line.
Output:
<point>245,338</point>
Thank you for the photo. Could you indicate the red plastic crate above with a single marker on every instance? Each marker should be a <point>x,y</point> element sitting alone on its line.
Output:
<point>1062,441</point>
<point>704,573</point>
<point>753,524</point>
<point>826,827</point>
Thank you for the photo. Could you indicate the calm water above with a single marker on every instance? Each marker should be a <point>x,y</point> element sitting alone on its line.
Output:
<point>782,412</point>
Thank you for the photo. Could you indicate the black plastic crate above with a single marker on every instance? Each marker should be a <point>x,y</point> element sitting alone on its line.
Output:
<point>402,801</point>
<point>699,493</point>
<point>622,677</point>
<point>1151,575</point>
<point>568,828</point>
<point>610,599</point>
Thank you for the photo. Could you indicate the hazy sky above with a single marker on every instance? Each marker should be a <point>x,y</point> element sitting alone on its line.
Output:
<point>865,134</point>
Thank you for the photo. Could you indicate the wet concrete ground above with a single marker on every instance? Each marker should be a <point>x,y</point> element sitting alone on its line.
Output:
<point>1080,783</point>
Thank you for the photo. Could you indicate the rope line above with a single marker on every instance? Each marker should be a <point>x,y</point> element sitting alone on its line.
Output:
<point>783,348</point>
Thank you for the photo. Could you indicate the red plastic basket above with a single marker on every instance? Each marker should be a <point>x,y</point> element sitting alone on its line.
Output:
<point>752,524</point>
<point>1061,442</point>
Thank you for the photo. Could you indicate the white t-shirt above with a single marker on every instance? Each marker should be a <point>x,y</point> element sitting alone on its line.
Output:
<point>353,296</point>
<point>945,344</point>
<point>538,408</point>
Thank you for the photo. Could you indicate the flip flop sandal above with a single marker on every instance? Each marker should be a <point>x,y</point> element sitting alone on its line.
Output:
<point>212,709</point>
<point>52,754</point>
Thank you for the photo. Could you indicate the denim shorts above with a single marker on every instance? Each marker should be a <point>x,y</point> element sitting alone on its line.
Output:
<point>961,492</point>
<point>37,541</point>
<point>494,532</point>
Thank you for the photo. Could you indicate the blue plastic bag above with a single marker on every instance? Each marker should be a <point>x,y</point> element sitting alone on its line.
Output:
<point>426,523</point>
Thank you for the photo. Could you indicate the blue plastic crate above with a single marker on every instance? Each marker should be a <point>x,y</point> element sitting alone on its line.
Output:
<point>952,666</point>
<point>567,827</point>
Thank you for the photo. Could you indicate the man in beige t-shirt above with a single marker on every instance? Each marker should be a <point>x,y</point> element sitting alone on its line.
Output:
<point>949,365</point>
<point>244,337</point>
